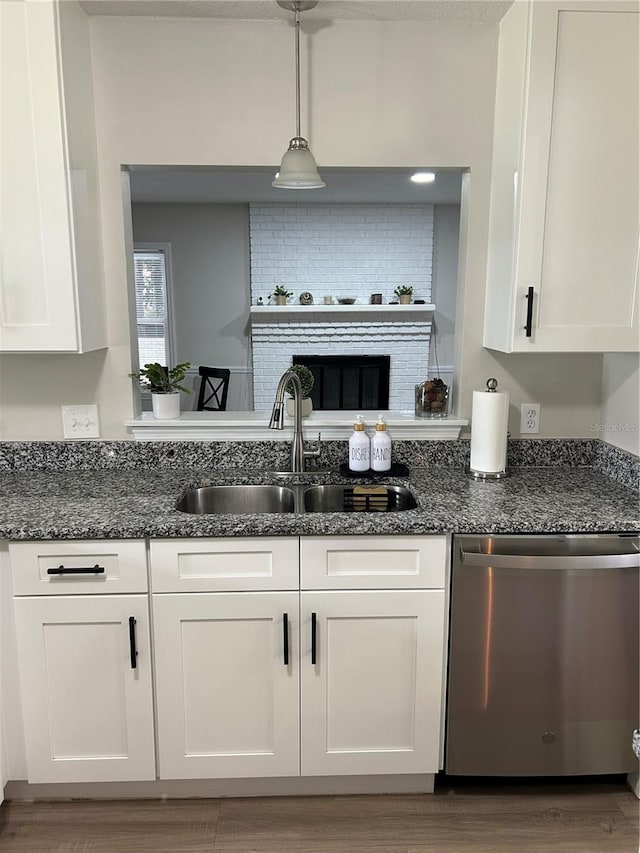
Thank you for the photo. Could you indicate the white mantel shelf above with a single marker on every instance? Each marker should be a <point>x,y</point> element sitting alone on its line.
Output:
<point>252,426</point>
<point>342,313</point>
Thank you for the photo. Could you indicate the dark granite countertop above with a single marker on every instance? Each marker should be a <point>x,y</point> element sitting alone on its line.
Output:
<point>141,502</point>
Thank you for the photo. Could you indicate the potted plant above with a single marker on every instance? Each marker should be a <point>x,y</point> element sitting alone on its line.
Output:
<point>404,292</point>
<point>281,294</point>
<point>306,381</point>
<point>165,386</point>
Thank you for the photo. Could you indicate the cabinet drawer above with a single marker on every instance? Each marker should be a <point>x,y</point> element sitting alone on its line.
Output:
<point>373,562</point>
<point>69,568</point>
<point>211,565</point>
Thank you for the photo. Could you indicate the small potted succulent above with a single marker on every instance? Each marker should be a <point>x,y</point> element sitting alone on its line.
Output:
<point>281,294</point>
<point>306,381</point>
<point>404,292</point>
<point>165,386</point>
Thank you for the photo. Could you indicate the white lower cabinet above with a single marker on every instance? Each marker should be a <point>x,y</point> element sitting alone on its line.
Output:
<point>284,682</point>
<point>86,695</point>
<point>261,669</point>
<point>84,660</point>
<point>227,682</point>
<point>229,685</point>
<point>371,681</point>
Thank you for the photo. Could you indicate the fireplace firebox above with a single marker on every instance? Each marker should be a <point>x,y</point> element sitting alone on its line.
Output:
<point>348,381</point>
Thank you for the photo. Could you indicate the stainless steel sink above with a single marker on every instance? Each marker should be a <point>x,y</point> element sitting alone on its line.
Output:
<point>237,499</point>
<point>358,499</point>
<point>246,499</point>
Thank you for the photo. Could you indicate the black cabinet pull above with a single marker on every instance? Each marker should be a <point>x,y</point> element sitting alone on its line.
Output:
<point>313,638</point>
<point>86,570</point>
<point>132,642</point>
<point>529,298</point>
<point>285,637</point>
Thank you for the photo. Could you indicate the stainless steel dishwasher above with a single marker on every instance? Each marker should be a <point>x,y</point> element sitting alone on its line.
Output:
<point>543,655</point>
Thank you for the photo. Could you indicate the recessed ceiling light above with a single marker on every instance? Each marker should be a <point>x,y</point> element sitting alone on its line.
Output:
<point>423,177</point>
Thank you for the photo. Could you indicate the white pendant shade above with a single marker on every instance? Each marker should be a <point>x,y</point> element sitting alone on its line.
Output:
<point>298,171</point>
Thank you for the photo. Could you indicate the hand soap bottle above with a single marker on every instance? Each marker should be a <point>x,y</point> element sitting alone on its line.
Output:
<point>359,447</point>
<point>381,447</point>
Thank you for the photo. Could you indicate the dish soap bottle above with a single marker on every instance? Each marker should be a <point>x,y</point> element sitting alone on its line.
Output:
<point>381,447</point>
<point>359,447</point>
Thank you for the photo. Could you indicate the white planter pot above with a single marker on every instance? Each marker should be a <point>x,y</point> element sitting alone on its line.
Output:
<point>307,406</point>
<point>166,406</point>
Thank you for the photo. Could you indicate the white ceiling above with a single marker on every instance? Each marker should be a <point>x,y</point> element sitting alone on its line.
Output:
<point>452,11</point>
<point>242,184</point>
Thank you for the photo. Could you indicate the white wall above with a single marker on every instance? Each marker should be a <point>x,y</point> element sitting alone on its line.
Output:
<point>400,93</point>
<point>209,286</point>
<point>341,250</point>
<point>620,421</point>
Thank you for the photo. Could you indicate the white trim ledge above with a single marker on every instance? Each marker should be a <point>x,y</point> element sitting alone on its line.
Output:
<point>253,426</point>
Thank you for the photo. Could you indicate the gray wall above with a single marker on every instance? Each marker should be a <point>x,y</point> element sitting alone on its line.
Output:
<point>209,286</point>
<point>446,241</point>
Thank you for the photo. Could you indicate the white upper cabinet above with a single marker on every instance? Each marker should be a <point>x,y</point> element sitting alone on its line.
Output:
<point>565,203</point>
<point>51,290</point>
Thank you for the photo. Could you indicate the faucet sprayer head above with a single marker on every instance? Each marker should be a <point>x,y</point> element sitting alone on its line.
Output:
<point>277,416</point>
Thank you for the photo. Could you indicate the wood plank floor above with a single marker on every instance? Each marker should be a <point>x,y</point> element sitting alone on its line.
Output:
<point>583,818</point>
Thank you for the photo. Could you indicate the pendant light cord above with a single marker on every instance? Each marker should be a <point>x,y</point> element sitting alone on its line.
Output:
<point>297,27</point>
<point>298,168</point>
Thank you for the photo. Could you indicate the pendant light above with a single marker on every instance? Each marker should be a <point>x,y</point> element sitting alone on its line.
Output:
<point>298,170</point>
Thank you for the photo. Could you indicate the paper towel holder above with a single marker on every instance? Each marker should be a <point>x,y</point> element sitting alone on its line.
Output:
<point>492,386</point>
<point>484,475</point>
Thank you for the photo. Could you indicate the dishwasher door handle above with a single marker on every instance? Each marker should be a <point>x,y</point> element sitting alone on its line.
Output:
<point>559,563</point>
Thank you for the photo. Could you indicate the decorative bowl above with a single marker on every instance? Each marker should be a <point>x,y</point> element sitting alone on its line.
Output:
<point>346,300</point>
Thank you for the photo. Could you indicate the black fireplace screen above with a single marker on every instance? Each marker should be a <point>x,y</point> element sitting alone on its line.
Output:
<point>348,381</point>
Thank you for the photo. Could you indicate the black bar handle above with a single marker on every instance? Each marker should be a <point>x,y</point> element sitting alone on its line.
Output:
<point>86,570</point>
<point>313,638</point>
<point>529,298</point>
<point>132,642</point>
<point>285,637</point>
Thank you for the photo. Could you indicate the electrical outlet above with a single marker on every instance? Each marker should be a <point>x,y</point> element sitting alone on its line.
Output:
<point>530,418</point>
<point>80,421</point>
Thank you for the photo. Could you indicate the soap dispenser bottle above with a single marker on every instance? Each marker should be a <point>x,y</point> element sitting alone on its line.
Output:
<point>381,447</point>
<point>359,447</point>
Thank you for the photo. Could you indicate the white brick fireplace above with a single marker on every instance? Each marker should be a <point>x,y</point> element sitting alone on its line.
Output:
<point>341,250</point>
<point>358,330</point>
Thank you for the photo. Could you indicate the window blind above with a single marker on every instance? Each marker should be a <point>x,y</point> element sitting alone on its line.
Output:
<point>151,306</point>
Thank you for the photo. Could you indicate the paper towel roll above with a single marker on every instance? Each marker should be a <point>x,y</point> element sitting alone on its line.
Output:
<point>489,419</point>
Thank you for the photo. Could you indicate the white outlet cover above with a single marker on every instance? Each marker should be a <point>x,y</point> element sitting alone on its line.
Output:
<point>80,421</point>
<point>529,418</point>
